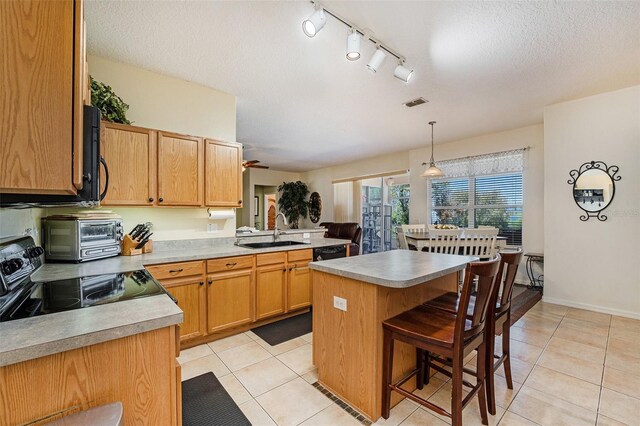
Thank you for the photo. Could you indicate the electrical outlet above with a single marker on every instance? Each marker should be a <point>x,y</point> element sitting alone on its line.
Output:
<point>340,303</point>
<point>212,227</point>
<point>306,236</point>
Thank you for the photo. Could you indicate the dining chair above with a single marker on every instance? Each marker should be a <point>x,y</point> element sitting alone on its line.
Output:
<point>444,241</point>
<point>480,242</point>
<point>402,239</point>
<point>453,336</point>
<point>498,323</point>
<point>421,227</point>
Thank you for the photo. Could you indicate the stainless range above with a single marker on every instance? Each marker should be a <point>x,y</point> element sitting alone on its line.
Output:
<point>20,297</point>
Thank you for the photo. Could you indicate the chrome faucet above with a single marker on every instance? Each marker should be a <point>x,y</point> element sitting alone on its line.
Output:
<point>276,231</point>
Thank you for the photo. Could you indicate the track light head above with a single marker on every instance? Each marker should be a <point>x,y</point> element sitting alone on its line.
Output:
<point>353,45</point>
<point>376,60</point>
<point>403,73</point>
<point>314,23</point>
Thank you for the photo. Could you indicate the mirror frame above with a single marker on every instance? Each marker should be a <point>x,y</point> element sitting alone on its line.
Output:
<point>575,174</point>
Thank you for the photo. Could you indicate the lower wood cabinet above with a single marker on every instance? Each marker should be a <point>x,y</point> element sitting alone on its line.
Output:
<point>298,286</point>
<point>190,294</point>
<point>229,299</point>
<point>270,290</point>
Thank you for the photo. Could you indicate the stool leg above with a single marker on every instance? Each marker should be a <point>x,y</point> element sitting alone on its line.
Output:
<point>387,372</point>
<point>490,340</point>
<point>480,376</point>
<point>506,328</point>
<point>427,367</point>
<point>456,390</point>
<point>420,367</point>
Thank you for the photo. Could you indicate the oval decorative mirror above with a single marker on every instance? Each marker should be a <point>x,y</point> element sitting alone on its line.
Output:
<point>594,185</point>
<point>315,207</point>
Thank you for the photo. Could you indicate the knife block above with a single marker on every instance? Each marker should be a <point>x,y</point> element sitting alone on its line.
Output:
<point>129,247</point>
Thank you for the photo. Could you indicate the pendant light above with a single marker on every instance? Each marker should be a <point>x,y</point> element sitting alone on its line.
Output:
<point>433,171</point>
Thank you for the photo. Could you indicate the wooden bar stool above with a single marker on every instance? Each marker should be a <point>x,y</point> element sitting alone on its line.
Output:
<point>449,335</point>
<point>498,321</point>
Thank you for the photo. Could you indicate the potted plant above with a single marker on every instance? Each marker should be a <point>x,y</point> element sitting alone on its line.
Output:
<point>111,106</point>
<point>293,201</point>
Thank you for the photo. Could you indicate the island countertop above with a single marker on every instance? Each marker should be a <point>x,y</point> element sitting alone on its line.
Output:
<point>396,268</point>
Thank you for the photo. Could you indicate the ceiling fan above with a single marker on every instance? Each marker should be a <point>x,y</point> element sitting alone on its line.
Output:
<point>254,164</point>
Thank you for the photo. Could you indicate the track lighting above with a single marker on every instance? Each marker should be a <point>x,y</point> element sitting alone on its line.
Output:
<point>315,23</point>
<point>403,73</point>
<point>376,60</point>
<point>353,45</point>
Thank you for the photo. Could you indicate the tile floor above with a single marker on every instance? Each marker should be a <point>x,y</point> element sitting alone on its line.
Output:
<point>570,367</point>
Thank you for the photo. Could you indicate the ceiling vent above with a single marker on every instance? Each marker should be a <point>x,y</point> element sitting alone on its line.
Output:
<point>415,102</point>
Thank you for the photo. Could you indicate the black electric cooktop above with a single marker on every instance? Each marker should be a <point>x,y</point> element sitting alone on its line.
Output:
<point>64,295</point>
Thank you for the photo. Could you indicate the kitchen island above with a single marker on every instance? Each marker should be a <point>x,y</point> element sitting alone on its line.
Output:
<point>351,299</point>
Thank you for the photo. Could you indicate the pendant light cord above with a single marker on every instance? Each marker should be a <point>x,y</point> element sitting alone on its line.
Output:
<point>431,123</point>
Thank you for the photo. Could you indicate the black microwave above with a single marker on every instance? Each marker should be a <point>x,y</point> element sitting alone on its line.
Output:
<point>90,194</point>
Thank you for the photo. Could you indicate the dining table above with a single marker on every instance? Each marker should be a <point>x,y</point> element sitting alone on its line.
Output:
<point>421,239</point>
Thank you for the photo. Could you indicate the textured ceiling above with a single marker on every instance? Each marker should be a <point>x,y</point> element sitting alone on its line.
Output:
<point>483,66</point>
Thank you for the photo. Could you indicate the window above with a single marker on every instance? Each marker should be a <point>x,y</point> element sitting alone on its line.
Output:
<point>494,200</point>
<point>483,190</point>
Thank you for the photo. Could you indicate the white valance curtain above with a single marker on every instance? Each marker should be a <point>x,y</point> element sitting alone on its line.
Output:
<point>486,164</point>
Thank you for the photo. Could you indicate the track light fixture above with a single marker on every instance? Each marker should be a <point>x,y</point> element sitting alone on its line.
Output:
<point>315,23</point>
<point>353,45</point>
<point>403,73</point>
<point>318,19</point>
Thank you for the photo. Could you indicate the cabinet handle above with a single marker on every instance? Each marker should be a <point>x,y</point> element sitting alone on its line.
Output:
<point>175,271</point>
<point>210,282</point>
<point>231,265</point>
<point>160,199</point>
<point>201,282</point>
<point>151,199</point>
<point>239,201</point>
<point>284,269</point>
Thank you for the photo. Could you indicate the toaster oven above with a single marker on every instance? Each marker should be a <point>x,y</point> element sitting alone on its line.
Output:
<point>79,240</point>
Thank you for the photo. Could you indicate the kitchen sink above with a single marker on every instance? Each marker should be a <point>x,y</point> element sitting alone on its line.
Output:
<point>269,244</point>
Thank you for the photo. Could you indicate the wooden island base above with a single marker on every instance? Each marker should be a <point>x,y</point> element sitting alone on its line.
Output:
<point>347,346</point>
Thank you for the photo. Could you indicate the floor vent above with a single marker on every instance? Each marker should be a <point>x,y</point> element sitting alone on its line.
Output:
<point>346,407</point>
<point>415,102</point>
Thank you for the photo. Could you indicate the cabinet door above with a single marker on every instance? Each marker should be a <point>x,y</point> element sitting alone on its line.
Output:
<point>36,98</point>
<point>270,291</point>
<point>223,177</point>
<point>130,154</point>
<point>229,298</point>
<point>299,286</point>
<point>180,170</point>
<point>191,299</point>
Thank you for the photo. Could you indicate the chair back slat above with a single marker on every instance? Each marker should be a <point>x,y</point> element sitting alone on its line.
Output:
<point>402,239</point>
<point>444,241</point>
<point>507,276</point>
<point>416,227</point>
<point>470,323</point>
<point>480,242</point>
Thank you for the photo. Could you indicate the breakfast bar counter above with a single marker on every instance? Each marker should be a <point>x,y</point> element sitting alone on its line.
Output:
<point>351,299</point>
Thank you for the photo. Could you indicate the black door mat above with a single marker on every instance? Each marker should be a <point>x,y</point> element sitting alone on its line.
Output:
<point>287,329</point>
<point>206,403</point>
<point>523,299</point>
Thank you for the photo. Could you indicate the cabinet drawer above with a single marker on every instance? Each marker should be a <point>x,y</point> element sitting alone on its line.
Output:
<point>299,255</point>
<point>229,264</point>
<point>271,258</point>
<point>176,270</point>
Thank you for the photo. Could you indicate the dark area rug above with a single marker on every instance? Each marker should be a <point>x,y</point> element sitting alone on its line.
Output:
<point>206,403</point>
<point>523,299</point>
<point>287,329</point>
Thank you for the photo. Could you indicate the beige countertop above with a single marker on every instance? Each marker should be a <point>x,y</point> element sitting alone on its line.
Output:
<point>396,268</point>
<point>31,338</point>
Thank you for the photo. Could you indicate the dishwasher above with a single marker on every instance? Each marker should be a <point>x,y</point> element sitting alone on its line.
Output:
<point>330,252</point>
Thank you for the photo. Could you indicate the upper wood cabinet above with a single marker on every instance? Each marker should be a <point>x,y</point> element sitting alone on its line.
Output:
<point>42,44</point>
<point>180,170</point>
<point>223,174</point>
<point>130,154</point>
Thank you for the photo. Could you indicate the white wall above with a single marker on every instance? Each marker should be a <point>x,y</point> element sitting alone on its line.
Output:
<point>593,264</point>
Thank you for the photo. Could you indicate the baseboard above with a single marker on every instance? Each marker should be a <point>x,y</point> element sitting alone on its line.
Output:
<point>604,310</point>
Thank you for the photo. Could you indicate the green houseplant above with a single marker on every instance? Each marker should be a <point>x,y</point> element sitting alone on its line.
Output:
<point>111,106</point>
<point>292,201</point>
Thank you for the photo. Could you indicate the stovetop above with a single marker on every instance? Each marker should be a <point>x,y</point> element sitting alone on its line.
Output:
<point>77,293</point>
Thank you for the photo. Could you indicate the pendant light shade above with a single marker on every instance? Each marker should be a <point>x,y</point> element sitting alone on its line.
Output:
<point>433,171</point>
<point>353,45</point>
<point>315,23</point>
